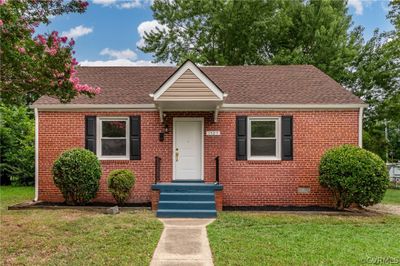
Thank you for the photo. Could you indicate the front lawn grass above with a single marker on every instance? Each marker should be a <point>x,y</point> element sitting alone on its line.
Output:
<point>74,237</point>
<point>392,196</point>
<point>244,238</point>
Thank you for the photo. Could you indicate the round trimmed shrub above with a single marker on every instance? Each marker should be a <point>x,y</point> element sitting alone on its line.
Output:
<point>77,173</point>
<point>120,183</point>
<point>354,175</point>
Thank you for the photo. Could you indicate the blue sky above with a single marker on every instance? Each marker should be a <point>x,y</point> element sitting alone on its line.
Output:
<point>110,30</point>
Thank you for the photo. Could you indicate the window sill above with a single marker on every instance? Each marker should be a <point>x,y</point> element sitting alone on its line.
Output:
<point>264,161</point>
<point>113,159</point>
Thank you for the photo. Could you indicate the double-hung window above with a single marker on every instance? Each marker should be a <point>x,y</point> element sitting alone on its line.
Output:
<point>113,138</point>
<point>263,138</point>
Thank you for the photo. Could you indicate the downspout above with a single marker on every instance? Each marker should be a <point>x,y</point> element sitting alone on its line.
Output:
<point>36,155</point>
<point>360,127</point>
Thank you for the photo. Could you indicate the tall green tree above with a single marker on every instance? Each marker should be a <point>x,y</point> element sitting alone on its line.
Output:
<point>210,32</point>
<point>234,32</point>
<point>320,33</point>
<point>376,79</point>
<point>17,152</point>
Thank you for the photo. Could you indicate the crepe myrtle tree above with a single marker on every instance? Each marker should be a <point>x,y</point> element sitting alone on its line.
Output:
<point>32,64</point>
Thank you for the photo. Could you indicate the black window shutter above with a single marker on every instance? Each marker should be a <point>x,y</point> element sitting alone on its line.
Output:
<point>241,138</point>
<point>90,133</point>
<point>287,138</point>
<point>135,138</point>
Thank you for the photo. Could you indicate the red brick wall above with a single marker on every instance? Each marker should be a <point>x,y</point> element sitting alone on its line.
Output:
<point>245,182</point>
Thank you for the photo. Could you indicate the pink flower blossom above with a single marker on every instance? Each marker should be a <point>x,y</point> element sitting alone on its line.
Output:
<point>51,51</point>
<point>2,2</point>
<point>83,4</point>
<point>71,42</point>
<point>1,22</point>
<point>22,50</point>
<point>64,39</point>
<point>80,88</point>
<point>42,39</point>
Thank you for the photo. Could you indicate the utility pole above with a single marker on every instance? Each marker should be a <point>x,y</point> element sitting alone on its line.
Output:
<point>387,141</point>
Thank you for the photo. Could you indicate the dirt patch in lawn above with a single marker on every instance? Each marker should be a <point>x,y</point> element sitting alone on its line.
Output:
<point>385,208</point>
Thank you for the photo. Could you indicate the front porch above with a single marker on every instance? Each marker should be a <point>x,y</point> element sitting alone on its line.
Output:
<point>191,193</point>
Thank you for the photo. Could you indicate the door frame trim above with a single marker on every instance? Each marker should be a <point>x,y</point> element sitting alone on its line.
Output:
<point>189,119</point>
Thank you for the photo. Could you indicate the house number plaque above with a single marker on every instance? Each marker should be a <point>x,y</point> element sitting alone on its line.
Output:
<point>213,133</point>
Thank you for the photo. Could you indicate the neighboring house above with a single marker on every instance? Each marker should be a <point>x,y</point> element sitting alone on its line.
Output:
<point>261,129</point>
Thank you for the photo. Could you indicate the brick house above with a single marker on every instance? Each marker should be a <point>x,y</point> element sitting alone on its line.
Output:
<point>198,138</point>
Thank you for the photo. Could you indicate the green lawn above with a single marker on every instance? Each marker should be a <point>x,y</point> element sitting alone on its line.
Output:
<point>244,238</point>
<point>392,196</point>
<point>72,237</point>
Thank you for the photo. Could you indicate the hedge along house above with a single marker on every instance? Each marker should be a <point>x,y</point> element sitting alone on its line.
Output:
<point>199,138</point>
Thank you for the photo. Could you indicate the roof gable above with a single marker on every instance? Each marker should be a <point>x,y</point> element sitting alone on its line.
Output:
<point>188,82</point>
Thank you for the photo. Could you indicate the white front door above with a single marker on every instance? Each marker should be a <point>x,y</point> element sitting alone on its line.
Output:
<point>188,149</point>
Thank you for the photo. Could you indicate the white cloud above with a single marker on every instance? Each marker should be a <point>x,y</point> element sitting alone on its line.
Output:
<point>131,4</point>
<point>148,26</point>
<point>358,5</point>
<point>122,62</point>
<point>104,2</point>
<point>77,32</point>
<point>122,54</point>
<point>125,4</point>
<point>385,6</point>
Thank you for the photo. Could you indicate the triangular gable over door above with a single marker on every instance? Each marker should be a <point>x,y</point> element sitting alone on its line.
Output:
<point>188,87</point>
<point>188,83</point>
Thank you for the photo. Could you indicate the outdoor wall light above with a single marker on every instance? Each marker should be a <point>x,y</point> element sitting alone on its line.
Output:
<point>161,136</point>
<point>165,131</point>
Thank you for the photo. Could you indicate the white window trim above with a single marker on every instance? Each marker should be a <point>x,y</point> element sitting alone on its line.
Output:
<point>99,133</point>
<point>277,121</point>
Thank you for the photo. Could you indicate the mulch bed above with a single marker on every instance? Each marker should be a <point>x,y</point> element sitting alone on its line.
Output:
<point>98,206</point>
<point>90,206</point>
<point>309,210</point>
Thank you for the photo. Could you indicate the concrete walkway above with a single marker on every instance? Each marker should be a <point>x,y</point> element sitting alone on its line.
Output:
<point>183,242</point>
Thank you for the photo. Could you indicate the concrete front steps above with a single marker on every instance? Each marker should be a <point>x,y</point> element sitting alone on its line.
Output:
<point>186,200</point>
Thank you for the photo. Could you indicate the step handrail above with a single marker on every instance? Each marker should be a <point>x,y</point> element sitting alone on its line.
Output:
<point>217,169</point>
<point>157,172</point>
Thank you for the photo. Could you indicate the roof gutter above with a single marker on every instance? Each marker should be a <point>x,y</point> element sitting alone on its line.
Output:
<point>224,107</point>
<point>235,107</point>
<point>74,107</point>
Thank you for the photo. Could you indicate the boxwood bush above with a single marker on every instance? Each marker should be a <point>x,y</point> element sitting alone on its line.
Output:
<point>77,173</point>
<point>354,175</point>
<point>120,183</point>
